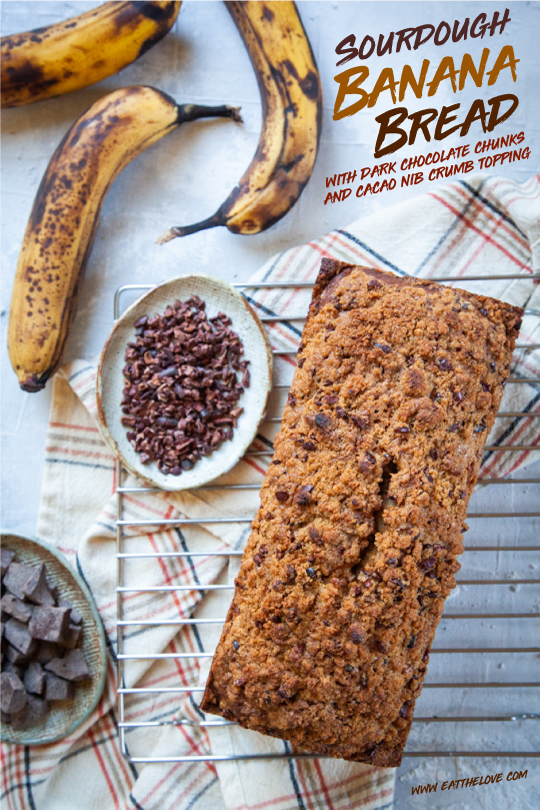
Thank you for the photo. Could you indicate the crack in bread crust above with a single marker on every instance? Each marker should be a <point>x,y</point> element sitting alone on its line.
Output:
<point>354,548</point>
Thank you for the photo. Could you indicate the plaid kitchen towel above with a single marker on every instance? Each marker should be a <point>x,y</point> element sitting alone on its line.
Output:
<point>481,227</point>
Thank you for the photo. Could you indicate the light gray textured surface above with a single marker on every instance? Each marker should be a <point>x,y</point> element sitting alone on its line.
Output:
<point>183,179</point>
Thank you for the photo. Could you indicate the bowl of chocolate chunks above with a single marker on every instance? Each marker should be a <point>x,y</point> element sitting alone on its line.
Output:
<point>53,644</point>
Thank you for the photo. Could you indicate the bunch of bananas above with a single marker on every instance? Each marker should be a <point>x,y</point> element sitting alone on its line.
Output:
<point>64,218</point>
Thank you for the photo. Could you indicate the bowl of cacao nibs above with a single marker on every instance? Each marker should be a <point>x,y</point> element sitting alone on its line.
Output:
<point>183,382</point>
<point>53,645</point>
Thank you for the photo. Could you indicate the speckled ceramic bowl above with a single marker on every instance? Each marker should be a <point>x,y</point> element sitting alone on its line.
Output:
<point>219,297</point>
<point>64,715</point>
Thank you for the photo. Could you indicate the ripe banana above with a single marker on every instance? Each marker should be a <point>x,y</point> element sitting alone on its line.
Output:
<point>65,215</point>
<point>292,112</point>
<point>83,50</point>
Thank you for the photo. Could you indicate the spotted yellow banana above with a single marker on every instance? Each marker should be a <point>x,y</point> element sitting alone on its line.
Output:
<point>80,51</point>
<point>65,215</point>
<point>292,112</point>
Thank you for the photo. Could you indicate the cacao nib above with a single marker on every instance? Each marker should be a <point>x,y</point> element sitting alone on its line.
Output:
<point>426,565</point>
<point>445,364</point>
<point>303,495</point>
<point>183,379</point>
<point>357,634</point>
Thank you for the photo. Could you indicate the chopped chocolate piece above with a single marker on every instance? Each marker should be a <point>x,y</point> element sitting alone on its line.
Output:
<point>15,608</point>
<point>36,588</point>
<point>15,657</point>
<point>58,688</point>
<point>46,651</point>
<point>13,694</point>
<point>49,623</point>
<point>30,715</point>
<point>73,633</point>
<point>16,578</point>
<point>72,666</point>
<point>54,592</point>
<point>75,616</point>
<point>34,678</point>
<point>6,718</point>
<point>6,558</point>
<point>18,635</point>
<point>18,669</point>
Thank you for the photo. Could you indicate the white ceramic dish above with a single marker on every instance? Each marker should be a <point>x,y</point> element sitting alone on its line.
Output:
<point>219,297</point>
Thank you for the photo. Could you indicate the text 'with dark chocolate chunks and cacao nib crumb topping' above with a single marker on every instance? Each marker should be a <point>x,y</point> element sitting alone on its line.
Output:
<point>355,545</point>
<point>184,377</point>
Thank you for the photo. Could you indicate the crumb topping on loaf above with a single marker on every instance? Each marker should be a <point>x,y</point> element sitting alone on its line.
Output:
<point>355,545</point>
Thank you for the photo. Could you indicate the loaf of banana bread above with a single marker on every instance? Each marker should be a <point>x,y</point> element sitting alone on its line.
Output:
<point>355,545</point>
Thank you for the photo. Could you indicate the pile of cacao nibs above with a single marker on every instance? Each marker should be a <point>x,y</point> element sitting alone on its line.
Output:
<point>184,376</point>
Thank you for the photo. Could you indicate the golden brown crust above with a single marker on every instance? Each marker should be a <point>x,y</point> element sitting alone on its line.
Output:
<point>355,545</point>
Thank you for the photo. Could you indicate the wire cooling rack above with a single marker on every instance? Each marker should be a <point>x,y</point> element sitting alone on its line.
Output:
<point>494,688</point>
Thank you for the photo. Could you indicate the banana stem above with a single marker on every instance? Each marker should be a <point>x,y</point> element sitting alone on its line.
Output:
<point>191,112</point>
<point>172,233</point>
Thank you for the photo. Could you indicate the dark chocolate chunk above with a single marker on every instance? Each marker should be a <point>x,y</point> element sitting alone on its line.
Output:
<point>15,657</point>
<point>15,608</point>
<point>6,558</point>
<point>34,678</point>
<point>19,636</point>
<point>49,623</point>
<point>303,495</point>
<point>18,669</point>
<point>46,651</point>
<point>36,588</point>
<point>30,715</point>
<point>71,637</point>
<point>12,693</point>
<point>72,666</point>
<point>58,688</point>
<point>75,616</point>
<point>322,421</point>
<point>16,578</point>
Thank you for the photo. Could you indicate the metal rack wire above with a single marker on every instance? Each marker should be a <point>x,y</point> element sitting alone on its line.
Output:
<point>123,589</point>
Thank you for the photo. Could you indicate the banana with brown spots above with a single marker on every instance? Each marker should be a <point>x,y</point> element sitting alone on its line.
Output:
<point>65,215</point>
<point>292,114</point>
<point>67,56</point>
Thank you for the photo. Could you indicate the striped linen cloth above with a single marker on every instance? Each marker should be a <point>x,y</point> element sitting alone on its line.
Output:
<point>480,227</point>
